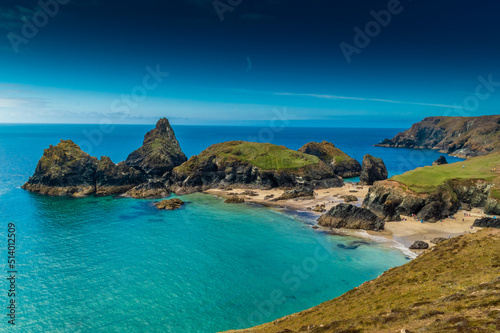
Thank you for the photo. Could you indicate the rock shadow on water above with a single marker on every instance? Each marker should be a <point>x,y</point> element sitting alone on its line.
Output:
<point>354,244</point>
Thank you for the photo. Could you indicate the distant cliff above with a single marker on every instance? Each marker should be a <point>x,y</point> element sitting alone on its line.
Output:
<point>458,136</point>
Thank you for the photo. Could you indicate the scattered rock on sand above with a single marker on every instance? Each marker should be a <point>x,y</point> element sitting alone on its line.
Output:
<point>234,200</point>
<point>319,208</point>
<point>303,192</point>
<point>270,196</point>
<point>250,193</point>
<point>349,198</point>
<point>487,222</point>
<point>419,245</point>
<point>169,204</point>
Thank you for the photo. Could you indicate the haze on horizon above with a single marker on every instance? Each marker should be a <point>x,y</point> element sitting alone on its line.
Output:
<point>365,63</point>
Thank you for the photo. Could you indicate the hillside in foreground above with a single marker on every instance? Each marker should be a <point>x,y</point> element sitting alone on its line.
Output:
<point>459,136</point>
<point>455,287</point>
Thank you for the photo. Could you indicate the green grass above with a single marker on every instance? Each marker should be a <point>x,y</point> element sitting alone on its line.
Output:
<point>427,179</point>
<point>265,156</point>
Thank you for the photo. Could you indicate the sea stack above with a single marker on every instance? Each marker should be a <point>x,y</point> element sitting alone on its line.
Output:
<point>440,161</point>
<point>372,170</point>
<point>160,152</point>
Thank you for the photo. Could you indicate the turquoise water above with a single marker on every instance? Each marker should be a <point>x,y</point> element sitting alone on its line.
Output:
<point>117,264</point>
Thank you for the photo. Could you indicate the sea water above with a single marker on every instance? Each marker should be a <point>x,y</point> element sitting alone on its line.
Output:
<point>118,264</point>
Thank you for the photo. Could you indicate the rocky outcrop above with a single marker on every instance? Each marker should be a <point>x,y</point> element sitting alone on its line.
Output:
<point>251,165</point>
<point>341,163</point>
<point>115,178</point>
<point>438,240</point>
<point>304,193</point>
<point>153,189</point>
<point>351,217</point>
<point>349,198</point>
<point>440,161</point>
<point>234,200</point>
<point>390,199</point>
<point>170,204</point>
<point>419,245</point>
<point>373,169</point>
<point>65,169</point>
<point>459,136</point>
<point>160,152</point>
<point>487,222</point>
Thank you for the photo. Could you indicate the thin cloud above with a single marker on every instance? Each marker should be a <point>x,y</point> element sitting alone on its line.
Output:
<point>367,99</point>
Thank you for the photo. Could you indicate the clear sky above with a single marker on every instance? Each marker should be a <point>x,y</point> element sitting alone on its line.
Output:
<point>242,62</point>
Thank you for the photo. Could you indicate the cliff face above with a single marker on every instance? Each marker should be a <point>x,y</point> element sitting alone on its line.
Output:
<point>341,163</point>
<point>459,136</point>
<point>351,217</point>
<point>252,165</point>
<point>160,152</point>
<point>65,169</point>
<point>453,287</point>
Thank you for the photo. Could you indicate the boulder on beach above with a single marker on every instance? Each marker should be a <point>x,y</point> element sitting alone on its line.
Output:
<point>303,192</point>
<point>234,200</point>
<point>438,240</point>
<point>372,170</point>
<point>169,204</point>
<point>419,245</point>
<point>351,217</point>
<point>487,222</point>
<point>349,198</point>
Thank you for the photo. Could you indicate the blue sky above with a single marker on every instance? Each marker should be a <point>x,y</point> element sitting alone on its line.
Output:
<point>89,60</point>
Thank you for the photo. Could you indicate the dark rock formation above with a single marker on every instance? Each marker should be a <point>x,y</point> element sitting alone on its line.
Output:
<point>438,240</point>
<point>341,163</point>
<point>459,136</point>
<point>419,245</point>
<point>160,152</point>
<point>373,169</point>
<point>487,222</point>
<point>234,200</point>
<point>65,169</point>
<point>349,198</point>
<point>151,190</point>
<point>115,178</point>
<point>492,206</point>
<point>303,192</point>
<point>250,193</point>
<point>390,199</point>
<point>251,165</point>
<point>170,204</point>
<point>351,217</point>
<point>440,161</point>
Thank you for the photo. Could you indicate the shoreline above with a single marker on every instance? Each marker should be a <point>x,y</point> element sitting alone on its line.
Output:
<point>397,234</point>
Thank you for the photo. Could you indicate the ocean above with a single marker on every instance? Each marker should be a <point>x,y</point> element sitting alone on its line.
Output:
<point>118,264</point>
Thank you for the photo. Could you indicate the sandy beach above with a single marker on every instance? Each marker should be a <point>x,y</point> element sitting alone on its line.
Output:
<point>404,232</point>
